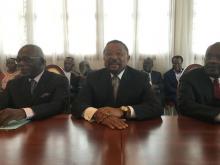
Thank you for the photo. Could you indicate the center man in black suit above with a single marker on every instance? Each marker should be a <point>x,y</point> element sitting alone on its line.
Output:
<point>199,89</point>
<point>37,93</point>
<point>116,92</point>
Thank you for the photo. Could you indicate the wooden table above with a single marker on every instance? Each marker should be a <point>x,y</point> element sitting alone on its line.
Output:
<point>63,141</point>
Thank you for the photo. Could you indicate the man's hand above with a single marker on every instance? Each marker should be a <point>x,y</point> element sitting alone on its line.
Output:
<point>114,122</point>
<point>117,112</point>
<point>104,112</point>
<point>9,114</point>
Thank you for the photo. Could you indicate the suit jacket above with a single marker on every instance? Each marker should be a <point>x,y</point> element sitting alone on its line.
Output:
<point>196,96</point>
<point>47,100</point>
<point>134,90</point>
<point>170,86</point>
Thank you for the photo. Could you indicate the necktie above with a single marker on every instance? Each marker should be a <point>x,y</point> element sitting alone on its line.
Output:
<point>216,89</point>
<point>33,85</point>
<point>115,85</point>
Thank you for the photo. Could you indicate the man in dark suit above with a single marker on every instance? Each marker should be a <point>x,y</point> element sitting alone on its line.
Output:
<point>199,89</point>
<point>37,93</point>
<point>116,92</point>
<point>155,78</point>
<point>171,79</point>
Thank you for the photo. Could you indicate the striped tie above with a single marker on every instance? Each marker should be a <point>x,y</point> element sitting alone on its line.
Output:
<point>115,85</point>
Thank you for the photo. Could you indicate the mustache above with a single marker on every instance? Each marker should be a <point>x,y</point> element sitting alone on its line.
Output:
<point>113,61</point>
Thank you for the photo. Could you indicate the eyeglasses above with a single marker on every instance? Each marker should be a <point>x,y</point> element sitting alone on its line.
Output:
<point>27,59</point>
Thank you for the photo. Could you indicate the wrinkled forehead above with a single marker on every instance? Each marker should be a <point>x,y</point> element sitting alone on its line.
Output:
<point>115,47</point>
<point>30,52</point>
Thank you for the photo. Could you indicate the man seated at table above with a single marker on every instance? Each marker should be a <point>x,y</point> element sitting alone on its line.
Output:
<point>37,93</point>
<point>116,92</point>
<point>199,89</point>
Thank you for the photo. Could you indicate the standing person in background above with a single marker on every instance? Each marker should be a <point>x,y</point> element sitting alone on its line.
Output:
<point>171,79</point>
<point>155,79</point>
<point>11,73</point>
<point>116,92</point>
<point>73,79</point>
<point>1,75</point>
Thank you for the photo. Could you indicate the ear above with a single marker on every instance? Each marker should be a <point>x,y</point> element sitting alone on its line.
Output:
<point>128,58</point>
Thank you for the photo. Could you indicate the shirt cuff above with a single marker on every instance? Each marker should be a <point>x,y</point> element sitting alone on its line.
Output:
<point>132,112</point>
<point>29,113</point>
<point>89,112</point>
<point>217,118</point>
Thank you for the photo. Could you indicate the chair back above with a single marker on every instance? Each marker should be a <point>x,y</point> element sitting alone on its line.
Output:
<point>55,69</point>
<point>191,67</point>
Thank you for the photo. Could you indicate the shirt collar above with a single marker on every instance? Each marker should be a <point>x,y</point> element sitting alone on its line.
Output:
<point>37,78</point>
<point>148,72</point>
<point>119,75</point>
<point>214,79</point>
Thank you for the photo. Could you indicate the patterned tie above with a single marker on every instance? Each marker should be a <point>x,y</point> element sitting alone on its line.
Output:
<point>115,85</point>
<point>216,89</point>
<point>33,86</point>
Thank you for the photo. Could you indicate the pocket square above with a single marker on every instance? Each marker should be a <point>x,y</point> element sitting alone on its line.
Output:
<point>45,95</point>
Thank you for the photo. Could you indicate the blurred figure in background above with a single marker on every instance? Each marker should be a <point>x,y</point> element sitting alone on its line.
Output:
<point>171,79</point>
<point>155,79</point>
<point>73,79</point>
<point>84,68</point>
<point>11,72</point>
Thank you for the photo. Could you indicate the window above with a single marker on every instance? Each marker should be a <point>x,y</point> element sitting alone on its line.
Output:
<point>71,27</point>
<point>12,26</point>
<point>48,30</point>
<point>82,27</point>
<point>206,26</point>
<point>153,26</point>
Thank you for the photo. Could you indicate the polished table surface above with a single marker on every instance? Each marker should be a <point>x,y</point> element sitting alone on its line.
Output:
<point>63,141</point>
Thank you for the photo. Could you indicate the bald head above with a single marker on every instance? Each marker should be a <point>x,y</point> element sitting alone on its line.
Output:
<point>31,51</point>
<point>31,60</point>
<point>212,60</point>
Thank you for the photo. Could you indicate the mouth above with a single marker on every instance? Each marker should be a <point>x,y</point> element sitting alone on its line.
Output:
<point>113,66</point>
<point>25,71</point>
